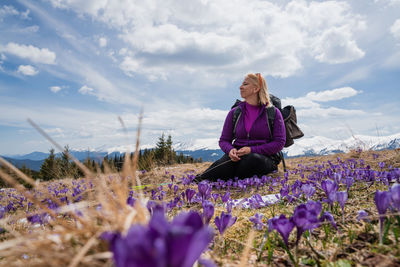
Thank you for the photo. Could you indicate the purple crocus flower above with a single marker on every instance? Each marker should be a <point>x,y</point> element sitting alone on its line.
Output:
<point>229,206</point>
<point>283,225</point>
<point>328,217</point>
<point>225,221</point>
<point>2,211</point>
<point>308,190</point>
<point>38,218</point>
<point>208,211</point>
<point>257,221</point>
<point>349,182</point>
<point>179,243</point>
<point>381,165</point>
<point>330,187</point>
<point>131,201</point>
<point>362,215</point>
<point>305,217</point>
<point>215,196</point>
<point>190,194</point>
<point>176,187</point>
<point>341,197</point>
<point>285,190</point>
<point>204,190</point>
<point>382,202</point>
<point>395,194</point>
<point>226,197</point>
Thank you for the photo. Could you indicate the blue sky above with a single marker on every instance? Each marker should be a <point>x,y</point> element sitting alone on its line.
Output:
<point>74,66</point>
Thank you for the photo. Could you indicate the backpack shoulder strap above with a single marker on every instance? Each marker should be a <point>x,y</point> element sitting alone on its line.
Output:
<point>235,119</point>
<point>271,112</point>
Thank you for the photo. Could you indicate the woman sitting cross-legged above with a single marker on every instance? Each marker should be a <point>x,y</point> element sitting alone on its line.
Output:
<point>250,149</point>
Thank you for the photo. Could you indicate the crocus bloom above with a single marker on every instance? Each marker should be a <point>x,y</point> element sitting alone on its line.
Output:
<point>395,194</point>
<point>341,197</point>
<point>283,225</point>
<point>362,215</point>
<point>381,165</point>
<point>215,196</point>
<point>382,202</point>
<point>349,182</point>
<point>38,218</point>
<point>328,217</point>
<point>208,211</point>
<point>204,190</point>
<point>330,188</point>
<point>308,190</point>
<point>225,221</point>
<point>256,220</point>
<point>305,217</point>
<point>176,188</point>
<point>225,197</point>
<point>190,194</point>
<point>179,243</point>
<point>131,201</point>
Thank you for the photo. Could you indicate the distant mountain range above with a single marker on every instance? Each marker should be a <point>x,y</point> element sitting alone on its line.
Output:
<point>208,149</point>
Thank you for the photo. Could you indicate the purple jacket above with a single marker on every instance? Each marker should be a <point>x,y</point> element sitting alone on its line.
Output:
<point>258,138</point>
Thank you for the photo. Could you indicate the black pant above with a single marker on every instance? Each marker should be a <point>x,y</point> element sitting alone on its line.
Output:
<point>249,165</point>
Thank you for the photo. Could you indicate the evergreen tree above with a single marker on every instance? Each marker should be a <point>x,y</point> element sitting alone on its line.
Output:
<point>26,170</point>
<point>65,162</point>
<point>50,169</point>
<point>170,151</point>
<point>161,149</point>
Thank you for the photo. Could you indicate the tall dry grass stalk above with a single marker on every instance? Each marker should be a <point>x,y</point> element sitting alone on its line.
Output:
<point>70,239</point>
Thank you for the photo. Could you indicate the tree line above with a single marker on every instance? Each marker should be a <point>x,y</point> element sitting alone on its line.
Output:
<point>55,167</point>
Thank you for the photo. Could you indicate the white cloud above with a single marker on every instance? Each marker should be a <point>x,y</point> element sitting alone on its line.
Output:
<point>86,90</point>
<point>29,29</point>
<point>94,128</point>
<point>27,70</point>
<point>7,11</point>
<point>55,89</point>
<point>102,42</point>
<point>335,46</point>
<point>331,95</point>
<point>395,29</point>
<point>215,37</point>
<point>311,98</point>
<point>25,15</point>
<point>11,11</point>
<point>308,106</point>
<point>35,54</point>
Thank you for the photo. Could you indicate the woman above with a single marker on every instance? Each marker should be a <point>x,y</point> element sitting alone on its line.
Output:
<point>249,148</point>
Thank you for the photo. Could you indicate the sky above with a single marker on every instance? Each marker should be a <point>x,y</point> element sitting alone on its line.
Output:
<point>74,67</point>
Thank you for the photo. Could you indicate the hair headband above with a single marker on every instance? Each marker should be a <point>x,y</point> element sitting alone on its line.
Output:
<point>259,78</point>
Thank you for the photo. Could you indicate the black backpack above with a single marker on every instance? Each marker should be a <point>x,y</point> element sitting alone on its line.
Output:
<point>290,120</point>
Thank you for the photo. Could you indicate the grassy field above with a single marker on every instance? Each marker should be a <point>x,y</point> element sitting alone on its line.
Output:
<point>62,223</point>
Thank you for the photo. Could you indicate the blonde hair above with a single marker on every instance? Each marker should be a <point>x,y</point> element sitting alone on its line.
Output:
<point>263,95</point>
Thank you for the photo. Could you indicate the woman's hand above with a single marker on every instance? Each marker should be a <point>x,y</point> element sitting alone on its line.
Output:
<point>243,151</point>
<point>233,155</point>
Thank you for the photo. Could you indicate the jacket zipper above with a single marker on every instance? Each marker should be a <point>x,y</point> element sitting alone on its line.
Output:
<point>248,134</point>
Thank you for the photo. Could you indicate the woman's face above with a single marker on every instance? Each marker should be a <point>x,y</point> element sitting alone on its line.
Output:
<point>248,89</point>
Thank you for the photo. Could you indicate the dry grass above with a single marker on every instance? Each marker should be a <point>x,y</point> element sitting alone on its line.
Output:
<point>71,240</point>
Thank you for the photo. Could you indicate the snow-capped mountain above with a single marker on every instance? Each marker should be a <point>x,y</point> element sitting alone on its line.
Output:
<point>319,145</point>
<point>208,148</point>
